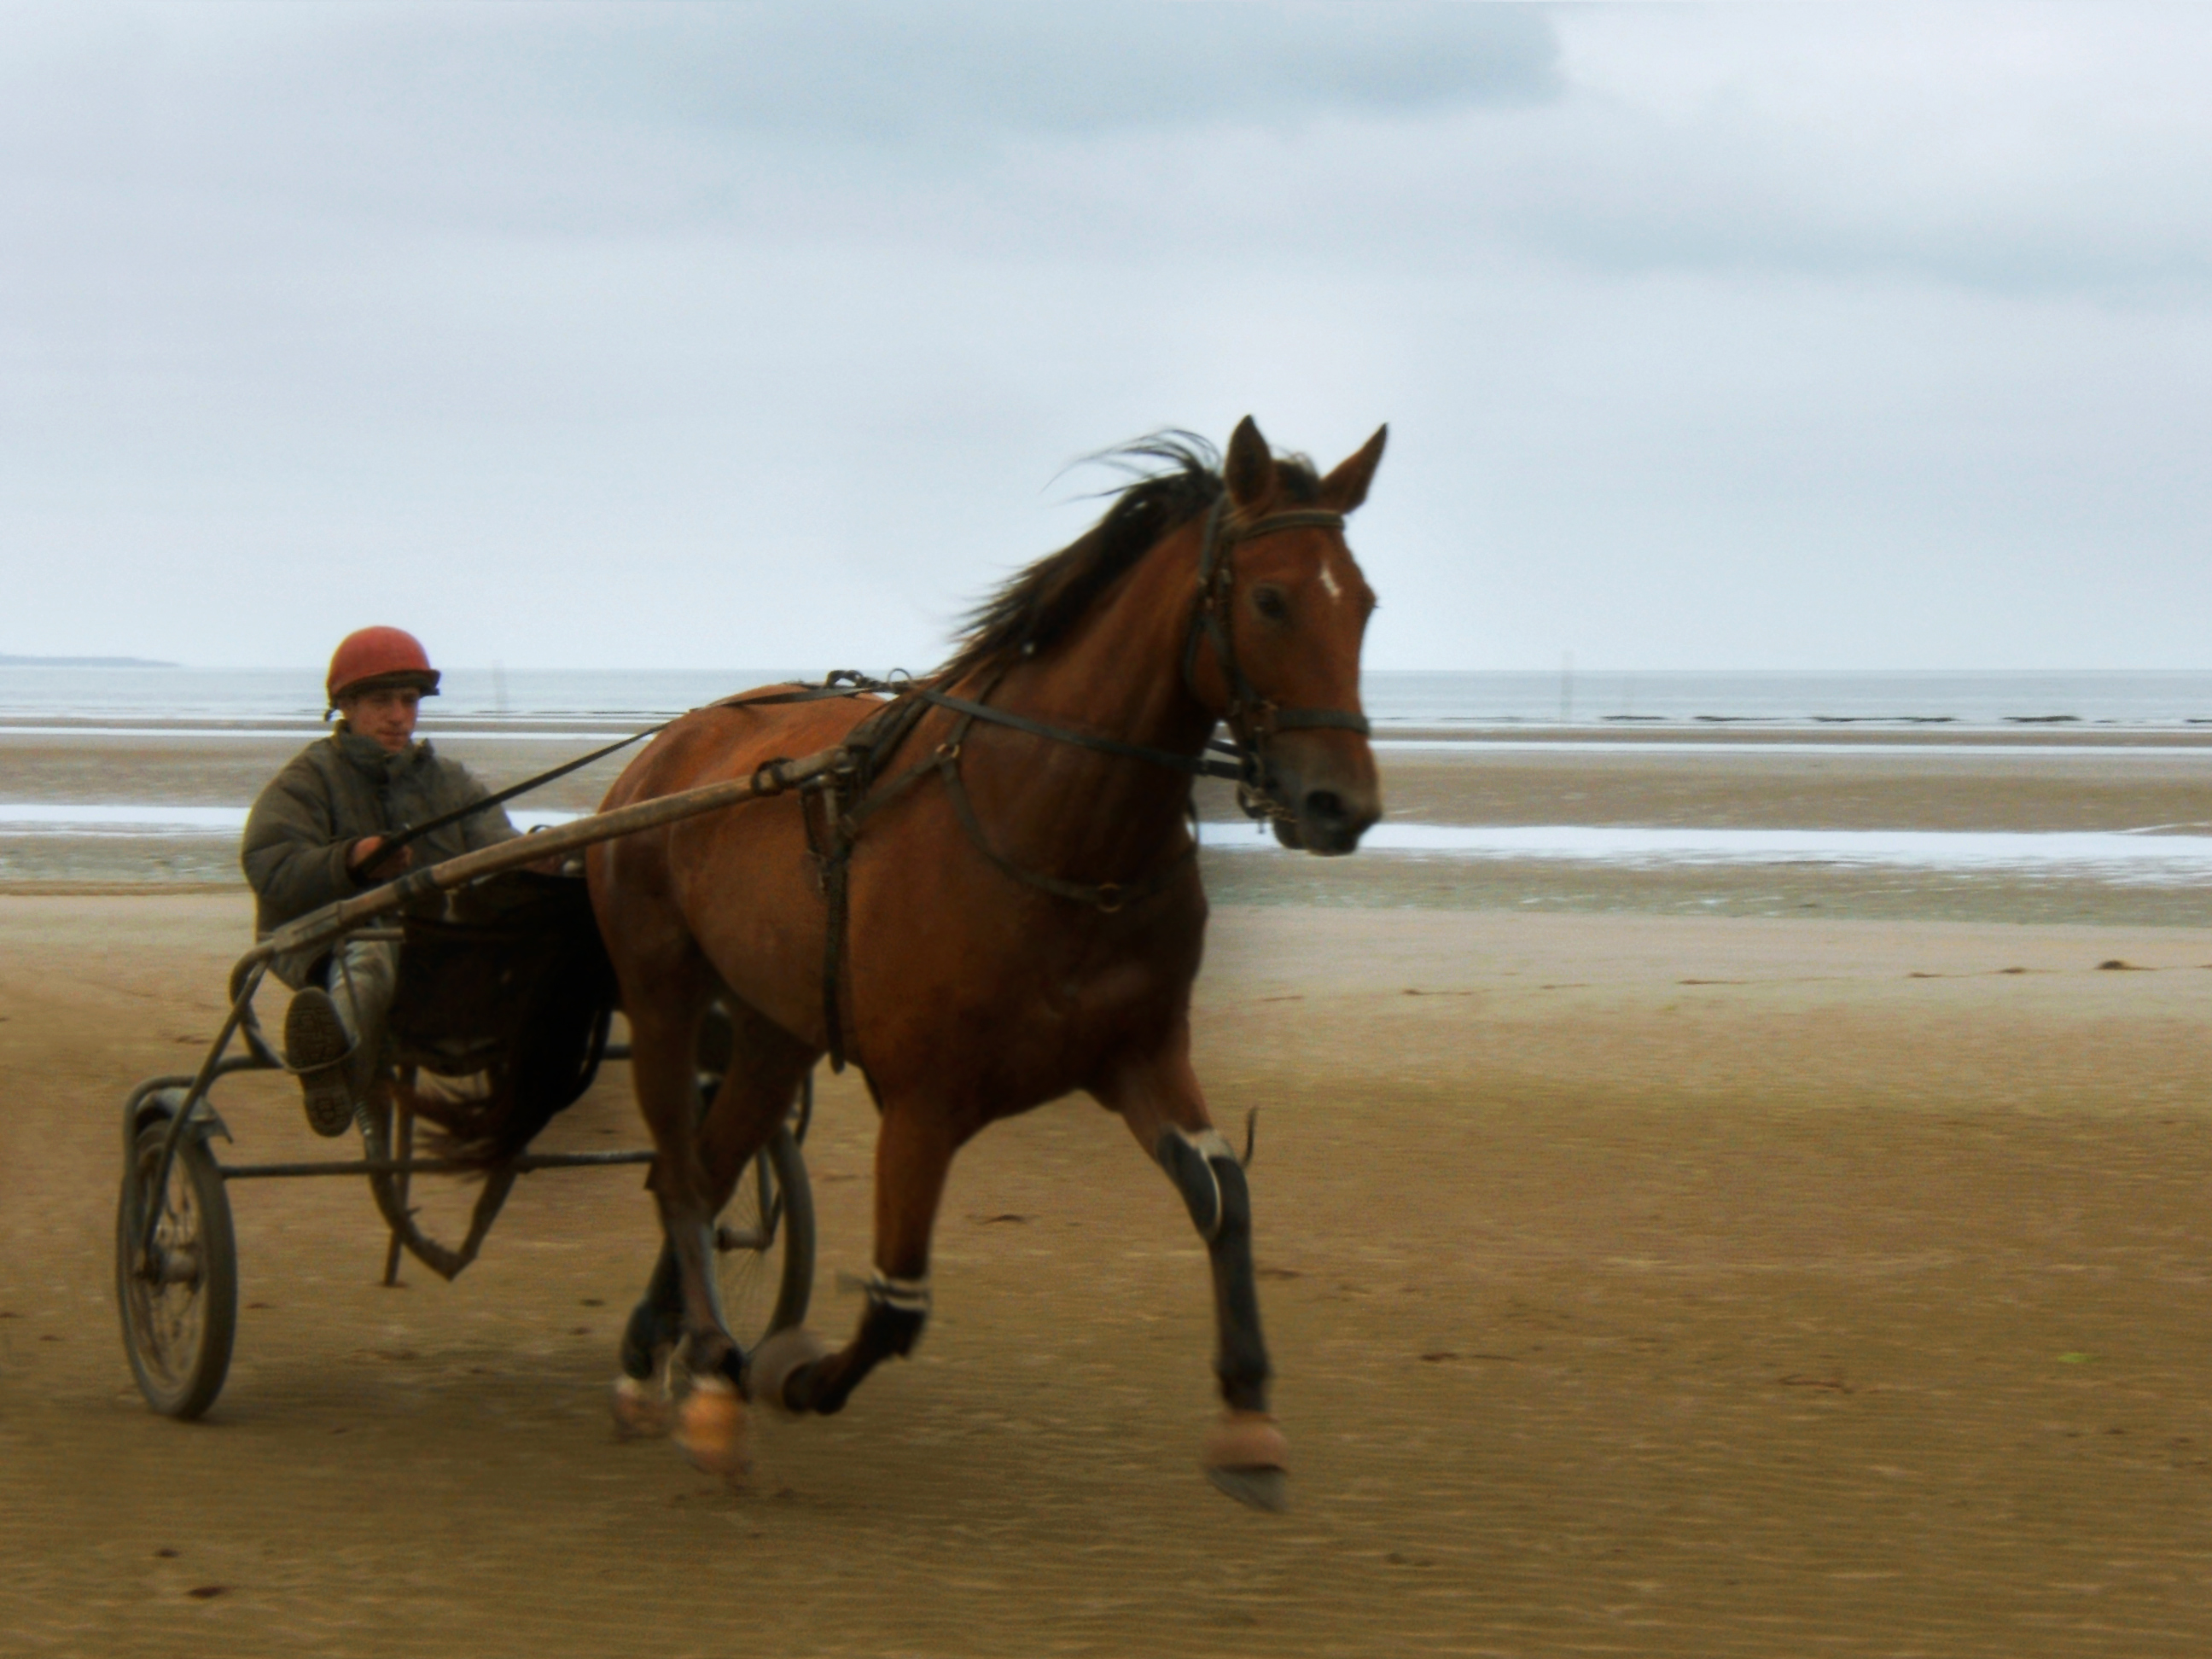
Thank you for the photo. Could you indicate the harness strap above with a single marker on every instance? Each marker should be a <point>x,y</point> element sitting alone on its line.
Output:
<point>1105,896</point>
<point>849,795</point>
<point>852,797</point>
<point>835,890</point>
<point>1196,765</point>
<point>837,682</point>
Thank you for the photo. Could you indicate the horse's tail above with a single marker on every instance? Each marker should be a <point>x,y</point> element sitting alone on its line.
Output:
<point>518,993</point>
<point>545,1069</point>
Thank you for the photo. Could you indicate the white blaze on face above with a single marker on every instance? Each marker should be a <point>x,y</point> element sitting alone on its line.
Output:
<point>1328,580</point>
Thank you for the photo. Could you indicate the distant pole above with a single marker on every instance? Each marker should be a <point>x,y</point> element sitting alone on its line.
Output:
<point>499,688</point>
<point>1567,688</point>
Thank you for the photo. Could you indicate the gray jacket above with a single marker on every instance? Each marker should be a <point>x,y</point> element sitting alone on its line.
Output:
<point>331,794</point>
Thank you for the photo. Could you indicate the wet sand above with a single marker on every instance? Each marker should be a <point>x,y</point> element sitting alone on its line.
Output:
<point>1638,1284</point>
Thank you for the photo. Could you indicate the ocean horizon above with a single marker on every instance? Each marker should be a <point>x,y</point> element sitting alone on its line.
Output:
<point>1400,699</point>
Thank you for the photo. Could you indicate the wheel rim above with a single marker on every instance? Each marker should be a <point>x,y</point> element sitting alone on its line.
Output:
<point>168,1304</point>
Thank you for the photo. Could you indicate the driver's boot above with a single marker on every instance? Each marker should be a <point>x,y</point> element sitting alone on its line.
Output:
<point>316,1046</point>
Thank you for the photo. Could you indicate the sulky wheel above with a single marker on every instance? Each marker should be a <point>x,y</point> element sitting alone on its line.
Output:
<point>765,1245</point>
<point>179,1301</point>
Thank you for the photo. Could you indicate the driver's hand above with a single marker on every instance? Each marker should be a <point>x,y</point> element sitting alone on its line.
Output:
<point>365,864</point>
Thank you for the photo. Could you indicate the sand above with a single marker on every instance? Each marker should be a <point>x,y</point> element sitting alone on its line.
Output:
<point>1639,1284</point>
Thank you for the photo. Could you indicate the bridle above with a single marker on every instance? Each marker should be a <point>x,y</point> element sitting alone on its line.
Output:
<point>1252,718</point>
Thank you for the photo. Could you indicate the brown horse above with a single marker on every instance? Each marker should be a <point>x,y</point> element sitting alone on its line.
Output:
<point>1004,891</point>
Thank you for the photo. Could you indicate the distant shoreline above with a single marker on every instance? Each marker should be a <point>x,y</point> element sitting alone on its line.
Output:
<point>7,661</point>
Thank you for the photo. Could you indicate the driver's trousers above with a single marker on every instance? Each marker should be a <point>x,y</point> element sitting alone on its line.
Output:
<point>362,977</point>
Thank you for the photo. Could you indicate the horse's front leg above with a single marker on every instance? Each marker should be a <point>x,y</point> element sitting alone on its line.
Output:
<point>1159,1097</point>
<point>915,1148</point>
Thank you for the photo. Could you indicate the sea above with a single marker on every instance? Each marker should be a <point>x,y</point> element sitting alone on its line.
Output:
<point>519,700</point>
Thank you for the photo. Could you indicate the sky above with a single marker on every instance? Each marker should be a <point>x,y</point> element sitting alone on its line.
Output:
<point>1754,337</point>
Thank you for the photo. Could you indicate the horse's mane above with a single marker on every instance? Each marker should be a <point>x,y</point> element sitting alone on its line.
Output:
<point>1177,476</point>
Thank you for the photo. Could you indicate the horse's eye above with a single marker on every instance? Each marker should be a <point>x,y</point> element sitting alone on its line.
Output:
<point>1269,601</point>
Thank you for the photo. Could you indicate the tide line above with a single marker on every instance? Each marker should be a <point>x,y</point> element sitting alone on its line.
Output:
<point>2110,854</point>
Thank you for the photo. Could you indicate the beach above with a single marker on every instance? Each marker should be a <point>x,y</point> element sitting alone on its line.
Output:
<point>1659,1257</point>
<point>1636,1283</point>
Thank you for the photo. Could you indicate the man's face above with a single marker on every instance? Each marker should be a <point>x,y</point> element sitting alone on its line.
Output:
<point>386,716</point>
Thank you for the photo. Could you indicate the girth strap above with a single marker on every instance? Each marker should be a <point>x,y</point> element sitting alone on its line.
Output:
<point>1106,896</point>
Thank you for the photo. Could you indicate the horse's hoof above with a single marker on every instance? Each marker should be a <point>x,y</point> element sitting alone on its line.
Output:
<point>1263,1489</point>
<point>776,1361</point>
<point>710,1427</point>
<point>640,1413</point>
<point>1244,1456</point>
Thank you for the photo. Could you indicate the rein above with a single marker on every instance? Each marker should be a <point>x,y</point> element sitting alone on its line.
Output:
<point>839,683</point>
<point>850,790</point>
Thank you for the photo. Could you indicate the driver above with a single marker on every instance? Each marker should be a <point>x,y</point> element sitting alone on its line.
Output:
<point>317,836</point>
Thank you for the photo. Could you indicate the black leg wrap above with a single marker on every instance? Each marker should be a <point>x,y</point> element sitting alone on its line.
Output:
<point>892,1325</point>
<point>806,1391</point>
<point>1242,1361</point>
<point>637,1345</point>
<point>887,1330</point>
<point>733,1368</point>
<point>656,1322</point>
<point>799,1393</point>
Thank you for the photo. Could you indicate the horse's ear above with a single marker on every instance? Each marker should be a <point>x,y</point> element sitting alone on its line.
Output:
<point>1346,487</point>
<point>1250,468</point>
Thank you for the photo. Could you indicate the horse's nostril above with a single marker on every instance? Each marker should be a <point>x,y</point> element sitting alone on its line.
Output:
<point>1326,806</point>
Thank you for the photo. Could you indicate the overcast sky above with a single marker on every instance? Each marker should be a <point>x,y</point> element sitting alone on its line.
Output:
<point>1796,336</point>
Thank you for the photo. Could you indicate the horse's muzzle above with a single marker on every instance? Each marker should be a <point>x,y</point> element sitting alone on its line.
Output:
<point>1328,822</point>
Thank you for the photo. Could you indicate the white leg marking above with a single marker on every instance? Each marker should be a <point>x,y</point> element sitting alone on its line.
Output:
<point>1209,1142</point>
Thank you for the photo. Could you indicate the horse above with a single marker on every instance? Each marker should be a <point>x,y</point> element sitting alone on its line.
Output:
<point>997,904</point>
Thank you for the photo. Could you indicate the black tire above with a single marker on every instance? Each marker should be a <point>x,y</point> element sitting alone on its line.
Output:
<point>765,1275</point>
<point>179,1321</point>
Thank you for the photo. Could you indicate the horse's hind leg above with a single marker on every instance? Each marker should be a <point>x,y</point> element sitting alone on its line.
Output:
<point>692,1185</point>
<point>656,1325</point>
<point>1159,1098</point>
<point>665,1013</point>
<point>664,1035</point>
<point>913,1152</point>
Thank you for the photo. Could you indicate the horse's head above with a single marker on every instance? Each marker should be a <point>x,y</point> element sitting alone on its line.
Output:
<point>1283,608</point>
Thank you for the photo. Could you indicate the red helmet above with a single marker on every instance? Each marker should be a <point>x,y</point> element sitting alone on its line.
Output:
<point>371,658</point>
